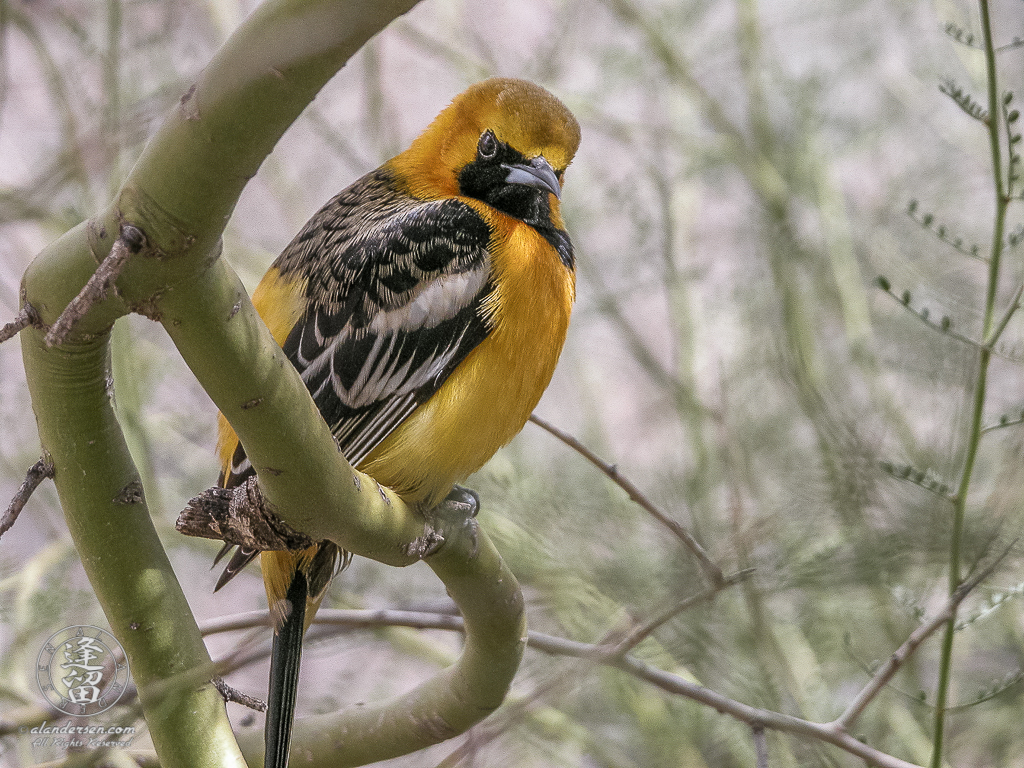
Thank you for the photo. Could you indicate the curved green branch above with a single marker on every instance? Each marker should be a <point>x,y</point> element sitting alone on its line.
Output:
<point>180,195</point>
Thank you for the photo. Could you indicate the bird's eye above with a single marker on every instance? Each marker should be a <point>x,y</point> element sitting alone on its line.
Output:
<point>488,146</point>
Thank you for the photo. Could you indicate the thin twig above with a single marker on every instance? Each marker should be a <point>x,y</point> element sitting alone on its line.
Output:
<point>130,241</point>
<point>642,631</point>
<point>23,319</point>
<point>1005,421</point>
<point>233,694</point>
<point>760,745</point>
<point>1005,319</point>
<point>940,327</point>
<point>776,721</point>
<point>892,665</point>
<point>39,471</point>
<point>830,733</point>
<point>711,569</point>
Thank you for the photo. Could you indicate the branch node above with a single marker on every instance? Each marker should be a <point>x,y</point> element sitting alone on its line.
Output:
<point>130,241</point>
<point>132,493</point>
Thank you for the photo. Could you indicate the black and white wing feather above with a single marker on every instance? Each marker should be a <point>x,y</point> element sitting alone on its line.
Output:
<point>396,298</point>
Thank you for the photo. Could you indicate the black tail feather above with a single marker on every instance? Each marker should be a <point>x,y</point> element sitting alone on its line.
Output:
<point>284,676</point>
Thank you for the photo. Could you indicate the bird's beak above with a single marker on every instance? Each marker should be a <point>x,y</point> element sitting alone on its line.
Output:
<point>535,173</point>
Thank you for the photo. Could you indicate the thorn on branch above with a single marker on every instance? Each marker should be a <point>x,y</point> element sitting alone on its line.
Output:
<point>39,471</point>
<point>240,516</point>
<point>130,241</point>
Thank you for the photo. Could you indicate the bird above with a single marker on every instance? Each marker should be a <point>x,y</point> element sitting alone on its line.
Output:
<point>425,308</point>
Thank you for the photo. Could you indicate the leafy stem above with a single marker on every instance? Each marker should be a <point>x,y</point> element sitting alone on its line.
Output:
<point>991,329</point>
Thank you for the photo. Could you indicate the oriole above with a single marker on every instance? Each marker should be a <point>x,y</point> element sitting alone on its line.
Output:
<point>425,308</point>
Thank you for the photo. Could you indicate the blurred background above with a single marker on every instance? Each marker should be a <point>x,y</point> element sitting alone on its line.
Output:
<point>747,171</point>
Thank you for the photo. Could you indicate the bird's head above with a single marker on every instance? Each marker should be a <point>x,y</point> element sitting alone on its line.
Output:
<point>505,142</point>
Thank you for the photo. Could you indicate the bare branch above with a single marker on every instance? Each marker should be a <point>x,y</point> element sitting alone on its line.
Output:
<point>642,631</point>
<point>892,665</point>
<point>711,569</point>
<point>130,242</point>
<point>760,745</point>
<point>831,733</point>
<point>759,719</point>
<point>39,471</point>
<point>23,319</point>
<point>826,732</point>
<point>233,694</point>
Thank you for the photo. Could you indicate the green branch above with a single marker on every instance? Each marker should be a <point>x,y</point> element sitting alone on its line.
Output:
<point>179,196</point>
<point>121,553</point>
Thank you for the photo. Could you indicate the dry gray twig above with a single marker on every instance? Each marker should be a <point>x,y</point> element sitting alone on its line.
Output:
<point>130,242</point>
<point>23,319</point>
<point>39,471</point>
<point>711,569</point>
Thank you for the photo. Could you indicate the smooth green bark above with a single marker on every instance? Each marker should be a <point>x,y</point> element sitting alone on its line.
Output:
<point>121,553</point>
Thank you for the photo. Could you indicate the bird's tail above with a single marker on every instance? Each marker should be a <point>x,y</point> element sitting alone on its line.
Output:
<point>296,583</point>
<point>284,675</point>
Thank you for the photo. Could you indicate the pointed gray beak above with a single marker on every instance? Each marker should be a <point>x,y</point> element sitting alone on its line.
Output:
<point>536,173</point>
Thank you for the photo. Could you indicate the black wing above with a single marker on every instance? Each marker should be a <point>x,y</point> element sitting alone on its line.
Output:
<point>396,291</point>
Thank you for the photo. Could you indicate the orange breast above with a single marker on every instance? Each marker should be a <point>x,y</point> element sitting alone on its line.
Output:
<point>489,397</point>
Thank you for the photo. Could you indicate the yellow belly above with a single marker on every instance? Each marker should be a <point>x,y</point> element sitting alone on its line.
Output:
<point>488,398</point>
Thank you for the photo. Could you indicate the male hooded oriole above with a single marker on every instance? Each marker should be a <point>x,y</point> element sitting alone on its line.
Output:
<point>425,308</point>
